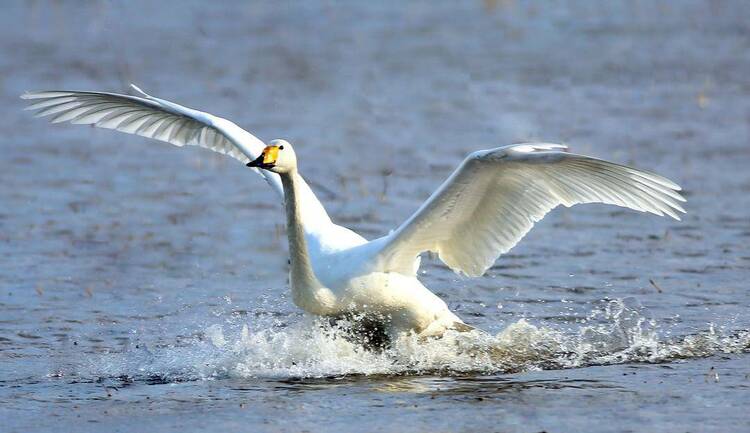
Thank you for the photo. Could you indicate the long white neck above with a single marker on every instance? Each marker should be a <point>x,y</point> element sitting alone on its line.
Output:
<point>304,214</point>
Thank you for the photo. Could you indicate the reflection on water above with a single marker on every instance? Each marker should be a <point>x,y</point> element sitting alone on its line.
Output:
<point>476,387</point>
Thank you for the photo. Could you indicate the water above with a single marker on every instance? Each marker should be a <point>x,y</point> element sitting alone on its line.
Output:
<point>143,288</point>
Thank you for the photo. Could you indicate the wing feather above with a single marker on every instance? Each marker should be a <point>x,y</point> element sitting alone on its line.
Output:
<point>150,117</point>
<point>495,196</point>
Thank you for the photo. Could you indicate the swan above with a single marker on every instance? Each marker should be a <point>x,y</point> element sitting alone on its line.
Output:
<point>480,212</point>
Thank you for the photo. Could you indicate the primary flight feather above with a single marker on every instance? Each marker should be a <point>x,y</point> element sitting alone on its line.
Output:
<point>480,212</point>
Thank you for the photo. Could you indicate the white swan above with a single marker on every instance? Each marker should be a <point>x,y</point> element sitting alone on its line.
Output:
<point>480,212</point>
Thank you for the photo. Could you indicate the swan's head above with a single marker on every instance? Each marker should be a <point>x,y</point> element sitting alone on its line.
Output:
<point>278,157</point>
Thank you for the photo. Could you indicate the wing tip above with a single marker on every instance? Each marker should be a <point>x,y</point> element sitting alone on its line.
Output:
<point>36,95</point>
<point>672,212</point>
<point>46,94</point>
<point>538,147</point>
<point>139,91</point>
<point>668,183</point>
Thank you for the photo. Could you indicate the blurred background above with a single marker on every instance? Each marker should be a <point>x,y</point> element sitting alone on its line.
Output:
<point>107,240</point>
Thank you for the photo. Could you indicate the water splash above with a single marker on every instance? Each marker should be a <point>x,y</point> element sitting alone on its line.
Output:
<point>619,333</point>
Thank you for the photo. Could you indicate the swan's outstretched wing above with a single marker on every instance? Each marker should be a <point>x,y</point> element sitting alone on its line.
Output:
<point>495,196</point>
<point>151,117</point>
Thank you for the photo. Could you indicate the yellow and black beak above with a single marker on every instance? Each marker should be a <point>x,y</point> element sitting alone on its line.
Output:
<point>267,159</point>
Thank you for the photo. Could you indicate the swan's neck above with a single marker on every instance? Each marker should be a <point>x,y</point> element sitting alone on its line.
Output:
<point>303,213</point>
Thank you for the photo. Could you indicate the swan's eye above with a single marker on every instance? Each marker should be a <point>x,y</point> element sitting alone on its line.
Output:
<point>281,147</point>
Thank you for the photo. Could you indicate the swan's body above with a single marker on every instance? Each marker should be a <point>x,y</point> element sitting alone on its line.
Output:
<point>484,208</point>
<point>334,271</point>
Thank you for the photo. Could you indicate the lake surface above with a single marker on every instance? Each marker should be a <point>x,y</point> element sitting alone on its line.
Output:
<point>144,287</point>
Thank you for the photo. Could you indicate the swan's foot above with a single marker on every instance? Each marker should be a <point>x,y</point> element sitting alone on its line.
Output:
<point>370,332</point>
<point>376,332</point>
<point>437,329</point>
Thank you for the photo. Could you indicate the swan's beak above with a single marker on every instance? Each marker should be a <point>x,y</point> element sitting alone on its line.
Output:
<point>267,159</point>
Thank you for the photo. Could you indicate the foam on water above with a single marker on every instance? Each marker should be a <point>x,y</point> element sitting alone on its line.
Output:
<point>311,347</point>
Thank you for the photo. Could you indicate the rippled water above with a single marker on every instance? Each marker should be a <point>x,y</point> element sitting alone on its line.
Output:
<point>143,287</point>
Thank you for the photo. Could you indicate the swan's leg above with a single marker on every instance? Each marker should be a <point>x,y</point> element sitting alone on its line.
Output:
<point>369,331</point>
<point>438,328</point>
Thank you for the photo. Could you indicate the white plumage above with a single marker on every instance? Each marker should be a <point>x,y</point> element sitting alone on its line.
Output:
<point>150,117</point>
<point>480,212</point>
<point>494,198</point>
